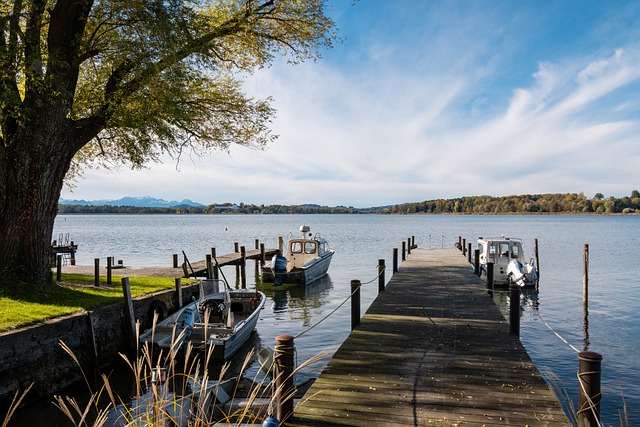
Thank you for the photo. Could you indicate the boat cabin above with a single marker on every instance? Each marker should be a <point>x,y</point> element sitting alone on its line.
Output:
<point>301,251</point>
<point>500,251</point>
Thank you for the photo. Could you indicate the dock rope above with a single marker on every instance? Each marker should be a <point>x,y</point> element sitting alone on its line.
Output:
<point>336,309</point>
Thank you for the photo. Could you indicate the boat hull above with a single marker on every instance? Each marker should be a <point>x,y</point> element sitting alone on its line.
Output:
<point>309,273</point>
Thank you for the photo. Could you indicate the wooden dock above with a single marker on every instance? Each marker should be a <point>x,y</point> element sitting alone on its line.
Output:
<point>432,350</point>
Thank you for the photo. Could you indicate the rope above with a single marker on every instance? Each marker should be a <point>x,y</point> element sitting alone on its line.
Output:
<point>336,309</point>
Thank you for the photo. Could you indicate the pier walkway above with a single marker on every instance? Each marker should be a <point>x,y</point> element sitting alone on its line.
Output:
<point>432,350</point>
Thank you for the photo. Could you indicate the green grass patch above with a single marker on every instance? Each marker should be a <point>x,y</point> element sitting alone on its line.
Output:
<point>23,304</point>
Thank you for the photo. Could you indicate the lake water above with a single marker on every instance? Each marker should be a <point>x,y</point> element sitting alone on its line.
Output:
<point>360,240</point>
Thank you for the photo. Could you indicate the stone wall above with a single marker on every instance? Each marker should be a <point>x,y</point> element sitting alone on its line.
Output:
<point>34,355</point>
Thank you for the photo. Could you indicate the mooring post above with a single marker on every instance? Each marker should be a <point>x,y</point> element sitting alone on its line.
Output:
<point>535,255</point>
<point>355,303</point>
<point>408,245</point>
<point>175,261</point>
<point>284,366</point>
<point>464,247</point>
<point>490,276</point>
<point>585,297</point>
<point>280,244</point>
<point>404,250</point>
<point>476,262</point>
<point>58,267</point>
<point>514,309</point>
<point>208,264</point>
<point>381,268</point>
<point>96,271</point>
<point>589,388</point>
<point>243,267</point>
<point>459,242</point>
<point>413,241</point>
<point>395,260</point>
<point>109,272</point>
<point>469,252</point>
<point>73,253</point>
<point>178,295</point>
<point>129,313</point>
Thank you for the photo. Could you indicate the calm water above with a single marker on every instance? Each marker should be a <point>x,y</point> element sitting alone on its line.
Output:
<point>360,240</point>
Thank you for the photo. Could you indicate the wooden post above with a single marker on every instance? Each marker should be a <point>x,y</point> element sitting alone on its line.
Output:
<point>490,275</point>
<point>585,297</point>
<point>208,266</point>
<point>404,250</point>
<point>355,303</point>
<point>589,375</point>
<point>256,244</point>
<point>109,271</point>
<point>73,254</point>
<point>514,309</point>
<point>129,316</point>
<point>381,269</point>
<point>175,261</point>
<point>408,245</point>
<point>284,357</point>
<point>535,255</point>
<point>96,271</point>
<point>464,247</point>
<point>263,259</point>
<point>281,244</point>
<point>178,295</point>
<point>58,267</point>
<point>243,267</point>
<point>459,242</point>
<point>236,249</point>
<point>476,262</point>
<point>413,241</point>
<point>469,252</point>
<point>395,260</point>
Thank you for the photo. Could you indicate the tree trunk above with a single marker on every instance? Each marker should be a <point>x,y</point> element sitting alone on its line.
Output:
<point>32,173</point>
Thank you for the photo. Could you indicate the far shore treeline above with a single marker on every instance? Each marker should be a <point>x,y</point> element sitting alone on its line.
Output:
<point>568,203</point>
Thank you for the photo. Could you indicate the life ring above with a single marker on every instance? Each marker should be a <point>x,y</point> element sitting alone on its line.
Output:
<point>157,306</point>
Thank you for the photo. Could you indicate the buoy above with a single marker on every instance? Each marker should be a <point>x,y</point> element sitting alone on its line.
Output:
<point>271,422</point>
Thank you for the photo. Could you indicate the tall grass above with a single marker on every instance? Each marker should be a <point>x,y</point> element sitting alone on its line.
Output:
<point>173,387</point>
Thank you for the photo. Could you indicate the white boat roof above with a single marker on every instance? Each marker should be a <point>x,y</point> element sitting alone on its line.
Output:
<point>499,239</point>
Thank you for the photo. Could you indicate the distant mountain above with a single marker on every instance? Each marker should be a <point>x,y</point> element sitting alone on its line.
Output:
<point>143,202</point>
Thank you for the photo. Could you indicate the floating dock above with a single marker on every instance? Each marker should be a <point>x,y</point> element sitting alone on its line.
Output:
<point>432,350</point>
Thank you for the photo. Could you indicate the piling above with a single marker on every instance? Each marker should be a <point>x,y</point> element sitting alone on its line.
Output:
<point>469,252</point>
<point>404,250</point>
<point>464,247</point>
<point>243,267</point>
<point>129,316</point>
<point>381,269</point>
<point>284,366</point>
<point>589,388</point>
<point>490,275</point>
<point>585,297</point>
<point>514,309</point>
<point>178,295</point>
<point>408,245</point>
<point>263,259</point>
<point>535,255</point>
<point>73,254</point>
<point>207,259</point>
<point>355,303</point>
<point>175,261</point>
<point>395,260</point>
<point>476,262</point>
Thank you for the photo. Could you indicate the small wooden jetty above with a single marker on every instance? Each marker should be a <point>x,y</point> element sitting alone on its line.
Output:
<point>432,350</point>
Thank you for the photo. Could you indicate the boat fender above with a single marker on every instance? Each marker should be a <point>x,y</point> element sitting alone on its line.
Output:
<point>157,306</point>
<point>254,302</point>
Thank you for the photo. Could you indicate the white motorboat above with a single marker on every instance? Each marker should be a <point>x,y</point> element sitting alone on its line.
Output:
<point>307,259</point>
<point>222,319</point>
<point>509,265</point>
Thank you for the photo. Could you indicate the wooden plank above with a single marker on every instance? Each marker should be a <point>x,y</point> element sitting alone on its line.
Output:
<point>433,349</point>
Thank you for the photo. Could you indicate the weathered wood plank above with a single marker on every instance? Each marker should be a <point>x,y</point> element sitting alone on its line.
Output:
<point>433,349</point>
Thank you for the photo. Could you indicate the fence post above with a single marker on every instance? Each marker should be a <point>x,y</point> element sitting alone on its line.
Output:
<point>395,260</point>
<point>381,268</point>
<point>355,303</point>
<point>589,389</point>
<point>514,309</point>
<point>284,366</point>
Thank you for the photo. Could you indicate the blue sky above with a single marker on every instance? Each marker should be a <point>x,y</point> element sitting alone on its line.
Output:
<point>433,99</point>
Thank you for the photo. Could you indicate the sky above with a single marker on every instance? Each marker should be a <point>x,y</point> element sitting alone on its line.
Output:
<point>432,99</point>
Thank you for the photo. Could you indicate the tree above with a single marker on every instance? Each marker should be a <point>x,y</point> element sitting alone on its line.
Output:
<point>111,83</point>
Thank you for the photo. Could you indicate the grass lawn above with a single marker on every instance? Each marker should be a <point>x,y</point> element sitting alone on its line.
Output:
<point>21,306</point>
